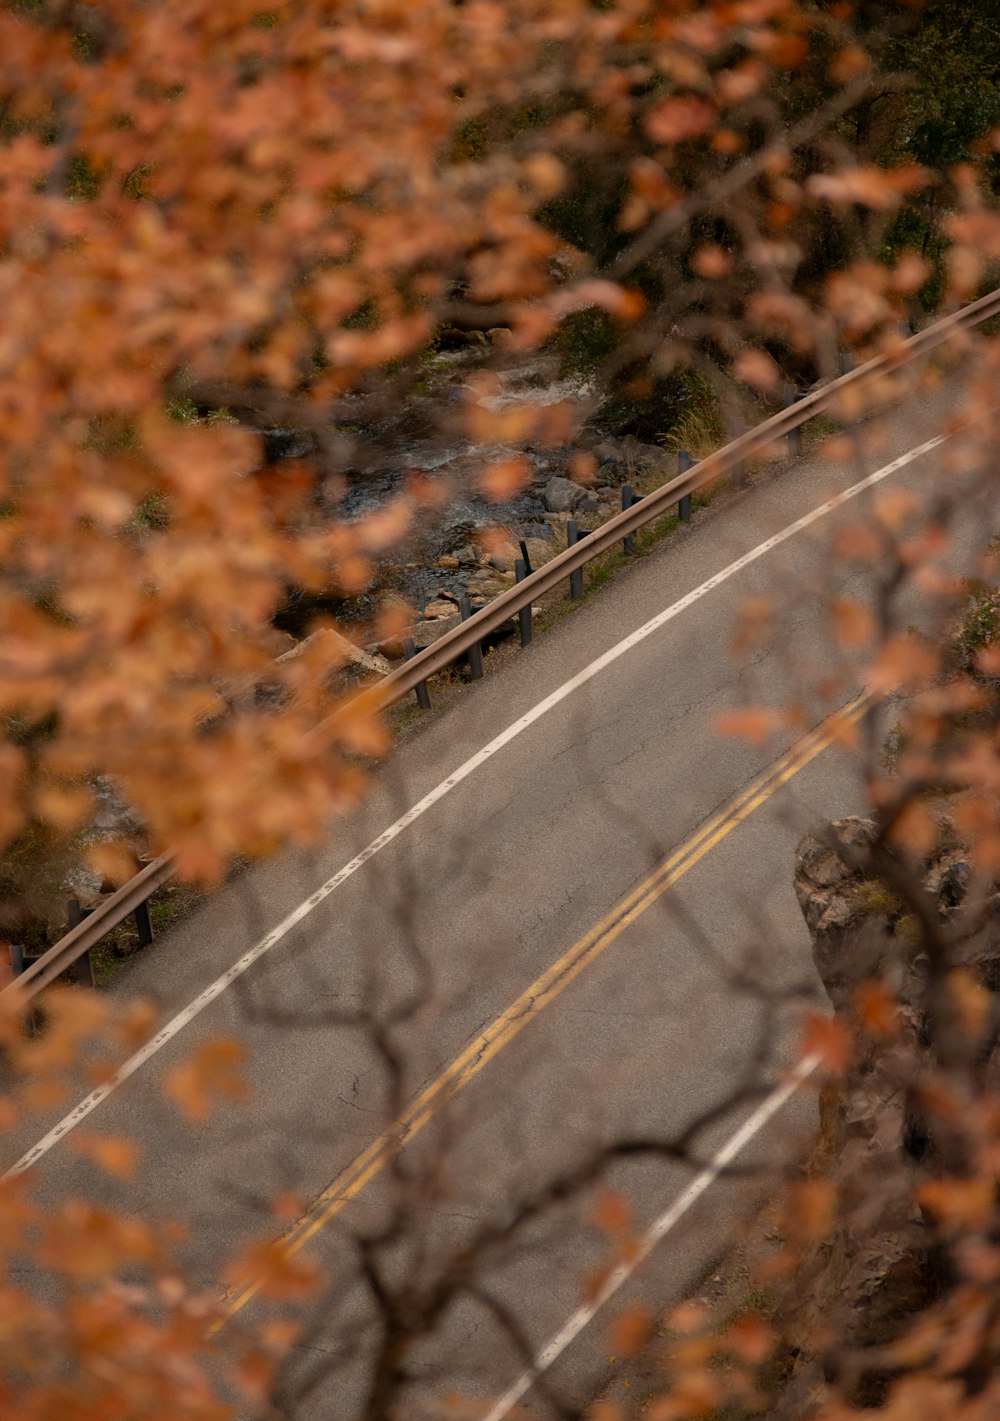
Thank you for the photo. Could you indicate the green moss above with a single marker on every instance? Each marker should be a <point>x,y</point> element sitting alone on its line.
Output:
<point>871,898</point>
<point>183,411</point>
<point>111,434</point>
<point>83,178</point>
<point>892,749</point>
<point>472,141</point>
<point>153,511</point>
<point>908,930</point>
<point>981,624</point>
<point>134,185</point>
<point>814,431</point>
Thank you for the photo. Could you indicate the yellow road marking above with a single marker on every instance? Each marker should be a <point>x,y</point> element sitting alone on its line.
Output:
<point>552,982</point>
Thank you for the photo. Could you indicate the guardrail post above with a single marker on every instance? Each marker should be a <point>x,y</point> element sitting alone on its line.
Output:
<point>792,397</point>
<point>684,465</point>
<point>420,689</point>
<point>845,362</point>
<point>528,569</point>
<point>82,970</point>
<point>524,613</point>
<point>628,498</point>
<point>576,576</point>
<point>143,924</point>
<point>475,652</point>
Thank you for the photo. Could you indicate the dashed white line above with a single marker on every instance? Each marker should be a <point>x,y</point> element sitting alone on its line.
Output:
<point>585,1314</point>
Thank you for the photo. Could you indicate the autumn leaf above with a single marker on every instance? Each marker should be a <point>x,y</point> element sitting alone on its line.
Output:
<point>915,828</point>
<point>972,1001</point>
<point>612,1213</point>
<point>712,262</point>
<point>212,1071</point>
<point>274,1271</point>
<point>605,1411</point>
<point>582,467</point>
<point>361,730</point>
<point>728,141</point>
<point>254,1374</point>
<point>596,1281</point>
<point>353,573</point>
<point>64,806</point>
<point>688,1317</point>
<point>853,623</point>
<point>910,273</point>
<point>757,368</point>
<point>88,1243</point>
<point>695,1394</point>
<point>694,1352</point>
<point>859,542</point>
<point>679,119</point>
<point>811,1210</point>
<point>843,730</point>
<point>958,1203</point>
<point>867,185</point>
<point>112,859</point>
<point>505,478</point>
<point>279,1334</point>
<point>750,1338</point>
<point>828,1039</point>
<point>630,1331</point>
<point>386,527</point>
<point>976,233</point>
<point>626,304</point>
<point>903,663</point>
<point>893,506</point>
<point>288,1205</point>
<point>115,1154</point>
<point>546,174</point>
<point>848,63</point>
<point>755,724</point>
<point>754,623</point>
<point>878,1008</point>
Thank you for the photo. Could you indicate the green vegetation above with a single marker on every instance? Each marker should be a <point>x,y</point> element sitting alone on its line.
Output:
<point>700,425</point>
<point>584,341</point>
<point>167,906</point>
<point>871,898</point>
<point>980,626</point>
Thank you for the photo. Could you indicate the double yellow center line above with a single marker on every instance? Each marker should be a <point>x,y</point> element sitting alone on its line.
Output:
<point>546,988</point>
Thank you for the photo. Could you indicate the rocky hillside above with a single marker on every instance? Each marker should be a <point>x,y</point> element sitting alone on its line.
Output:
<point>882,1264</point>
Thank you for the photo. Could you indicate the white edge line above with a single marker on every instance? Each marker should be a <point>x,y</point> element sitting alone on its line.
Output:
<point>585,1314</point>
<point>243,964</point>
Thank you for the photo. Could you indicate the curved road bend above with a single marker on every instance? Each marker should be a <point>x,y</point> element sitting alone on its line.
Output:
<point>490,886</point>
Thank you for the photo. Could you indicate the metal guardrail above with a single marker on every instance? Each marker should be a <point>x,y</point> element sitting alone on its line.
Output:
<point>658,504</point>
<point>89,931</point>
<point>468,635</point>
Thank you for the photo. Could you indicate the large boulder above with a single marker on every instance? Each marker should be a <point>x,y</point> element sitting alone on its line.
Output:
<point>340,654</point>
<point>562,495</point>
<point>879,1268</point>
<point>423,633</point>
<point>848,944</point>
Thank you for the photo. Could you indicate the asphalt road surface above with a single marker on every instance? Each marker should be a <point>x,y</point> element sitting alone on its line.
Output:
<point>666,1014</point>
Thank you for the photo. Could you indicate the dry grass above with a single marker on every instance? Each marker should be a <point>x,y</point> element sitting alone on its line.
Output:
<point>700,429</point>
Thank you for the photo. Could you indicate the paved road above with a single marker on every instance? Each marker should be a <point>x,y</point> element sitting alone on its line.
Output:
<point>471,903</point>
